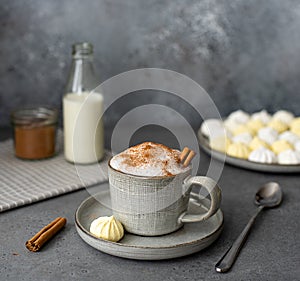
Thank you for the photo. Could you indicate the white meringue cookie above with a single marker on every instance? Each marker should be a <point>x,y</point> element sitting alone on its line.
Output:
<point>243,128</point>
<point>238,150</point>
<point>289,157</point>
<point>284,116</point>
<point>263,116</point>
<point>219,143</point>
<point>289,136</point>
<point>262,155</point>
<point>212,127</point>
<point>108,228</point>
<point>239,116</point>
<point>245,138</point>
<point>231,125</point>
<point>257,143</point>
<point>278,125</point>
<point>267,134</point>
<point>281,145</point>
<point>297,146</point>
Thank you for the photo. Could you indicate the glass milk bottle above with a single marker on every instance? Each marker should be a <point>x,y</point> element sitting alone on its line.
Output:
<point>82,110</point>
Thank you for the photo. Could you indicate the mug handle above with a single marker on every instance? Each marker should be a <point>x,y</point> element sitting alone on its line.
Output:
<point>215,194</point>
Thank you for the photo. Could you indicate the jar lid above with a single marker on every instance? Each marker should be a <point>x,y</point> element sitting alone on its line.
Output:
<point>38,116</point>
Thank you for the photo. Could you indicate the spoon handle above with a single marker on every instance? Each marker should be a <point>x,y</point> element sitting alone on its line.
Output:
<point>226,262</point>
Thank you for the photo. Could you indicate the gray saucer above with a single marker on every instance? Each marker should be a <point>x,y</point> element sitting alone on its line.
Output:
<point>191,238</point>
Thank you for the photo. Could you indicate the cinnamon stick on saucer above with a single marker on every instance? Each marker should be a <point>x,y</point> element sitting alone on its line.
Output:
<point>45,234</point>
<point>186,156</point>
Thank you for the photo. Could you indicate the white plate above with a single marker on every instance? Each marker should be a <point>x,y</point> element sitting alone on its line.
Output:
<point>191,238</point>
<point>242,163</point>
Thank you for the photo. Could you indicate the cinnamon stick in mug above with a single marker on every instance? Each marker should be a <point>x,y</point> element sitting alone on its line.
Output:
<point>186,156</point>
<point>189,158</point>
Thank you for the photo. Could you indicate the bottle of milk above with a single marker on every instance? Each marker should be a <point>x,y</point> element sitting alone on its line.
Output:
<point>83,109</point>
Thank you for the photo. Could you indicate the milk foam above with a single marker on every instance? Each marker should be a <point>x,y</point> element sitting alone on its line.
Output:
<point>149,159</point>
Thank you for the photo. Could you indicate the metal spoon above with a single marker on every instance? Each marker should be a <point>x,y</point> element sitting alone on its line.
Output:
<point>268,196</point>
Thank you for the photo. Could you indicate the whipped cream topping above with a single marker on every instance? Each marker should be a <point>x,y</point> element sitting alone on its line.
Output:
<point>149,159</point>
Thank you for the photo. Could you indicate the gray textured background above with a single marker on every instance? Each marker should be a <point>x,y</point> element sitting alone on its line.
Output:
<point>245,53</point>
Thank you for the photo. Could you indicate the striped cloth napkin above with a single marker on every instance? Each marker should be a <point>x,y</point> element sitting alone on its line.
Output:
<point>24,182</point>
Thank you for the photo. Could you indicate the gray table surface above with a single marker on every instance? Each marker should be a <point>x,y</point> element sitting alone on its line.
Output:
<point>272,251</point>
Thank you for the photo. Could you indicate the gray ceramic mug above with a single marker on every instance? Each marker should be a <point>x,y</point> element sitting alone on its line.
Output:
<point>151,206</point>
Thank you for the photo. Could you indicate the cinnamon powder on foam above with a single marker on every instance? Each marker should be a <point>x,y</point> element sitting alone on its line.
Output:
<point>146,153</point>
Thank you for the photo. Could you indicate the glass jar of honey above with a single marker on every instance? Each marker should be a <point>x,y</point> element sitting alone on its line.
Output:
<point>34,132</point>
